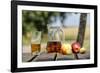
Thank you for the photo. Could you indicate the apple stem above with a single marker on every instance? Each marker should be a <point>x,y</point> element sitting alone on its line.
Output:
<point>55,57</point>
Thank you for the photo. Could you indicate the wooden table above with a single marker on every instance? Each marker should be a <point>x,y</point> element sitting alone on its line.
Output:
<point>44,56</point>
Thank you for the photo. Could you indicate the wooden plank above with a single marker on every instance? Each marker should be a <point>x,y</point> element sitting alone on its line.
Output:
<point>45,57</point>
<point>55,57</point>
<point>26,57</point>
<point>32,58</point>
<point>64,57</point>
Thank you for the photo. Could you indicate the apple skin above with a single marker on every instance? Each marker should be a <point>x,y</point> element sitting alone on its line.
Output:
<point>66,49</point>
<point>76,47</point>
<point>82,50</point>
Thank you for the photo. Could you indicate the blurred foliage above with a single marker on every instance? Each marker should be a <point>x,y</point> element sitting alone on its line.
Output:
<point>38,20</point>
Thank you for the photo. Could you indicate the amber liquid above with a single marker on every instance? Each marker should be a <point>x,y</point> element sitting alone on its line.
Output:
<point>53,46</point>
<point>35,47</point>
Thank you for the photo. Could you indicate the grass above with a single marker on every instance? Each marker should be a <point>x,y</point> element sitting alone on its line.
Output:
<point>72,32</point>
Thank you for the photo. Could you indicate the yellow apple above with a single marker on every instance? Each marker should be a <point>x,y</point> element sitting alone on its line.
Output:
<point>82,50</point>
<point>66,49</point>
<point>69,49</point>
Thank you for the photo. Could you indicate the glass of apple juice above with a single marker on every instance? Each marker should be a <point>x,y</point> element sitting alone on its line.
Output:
<point>36,43</point>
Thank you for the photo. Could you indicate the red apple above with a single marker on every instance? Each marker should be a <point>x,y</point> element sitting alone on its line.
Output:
<point>76,47</point>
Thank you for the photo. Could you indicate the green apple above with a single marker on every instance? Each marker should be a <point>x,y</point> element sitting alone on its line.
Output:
<point>82,50</point>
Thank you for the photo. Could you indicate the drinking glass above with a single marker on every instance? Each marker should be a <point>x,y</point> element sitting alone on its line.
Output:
<point>36,43</point>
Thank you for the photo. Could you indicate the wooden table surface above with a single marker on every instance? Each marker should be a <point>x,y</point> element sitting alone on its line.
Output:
<point>44,56</point>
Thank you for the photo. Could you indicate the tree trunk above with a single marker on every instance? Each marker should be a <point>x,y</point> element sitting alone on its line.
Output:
<point>81,31</point>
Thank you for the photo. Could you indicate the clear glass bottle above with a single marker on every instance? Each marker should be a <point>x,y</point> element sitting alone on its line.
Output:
<point>56,37</point>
